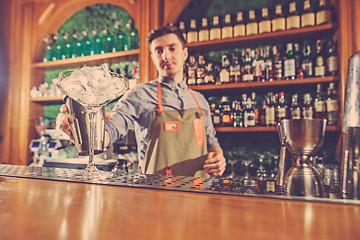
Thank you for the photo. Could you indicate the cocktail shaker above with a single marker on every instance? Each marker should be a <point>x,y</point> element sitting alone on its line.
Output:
<point>80,127</point>
<point>349,176</point>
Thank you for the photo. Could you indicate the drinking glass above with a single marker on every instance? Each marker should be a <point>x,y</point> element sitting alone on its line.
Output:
<point>92,87</point>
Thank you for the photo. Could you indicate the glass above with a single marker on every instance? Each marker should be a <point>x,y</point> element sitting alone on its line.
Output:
<point>92,87</point>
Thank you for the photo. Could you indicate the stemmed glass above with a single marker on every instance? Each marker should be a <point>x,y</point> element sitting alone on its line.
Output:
<point>92,87</point>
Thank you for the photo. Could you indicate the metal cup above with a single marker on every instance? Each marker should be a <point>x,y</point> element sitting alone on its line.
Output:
<point>80,127</point>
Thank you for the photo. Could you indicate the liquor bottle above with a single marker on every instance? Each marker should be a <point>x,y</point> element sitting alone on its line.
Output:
<point>265,23</point>
<point>132,36</point>
<point>119,40</point>
<point>217,74</point>
<point>293,18</point>
<point>297,56</point>
<point>279,22</point>
<point>239,28</point>
<point>251,25</point>
<point>255,107</point>
<point>277,63</point>
<point>224,72</point>
<point>319,60</point>
<point>282,111</point>
<point>247,69</point>
<point>191,71</point>
<point>307,63</point>
<point>66,51</point>
<point>270,110</point>
<point>182,28</point>
<point>262,114</point>
<point>96,42</point>
<point>289,62</point>
<point>56,55</point>
<point>200,71</point>
<point>215,31</point>
<point>295,110</point>
<point>86,43</point>
<point>249,114</point>
<point>319,103</point>
<point>227,29</point>
<point>235,69</point>
<point>332,59</point>
<point>308,14</point>
<point>226,117</point>
<point>332,105</point>
<point>257,64</point>
<point>238,120</point>
<point>108,41</point>
<point>307,108</point>
<point>209,74</point>
<point>323,13</point>
<point>192,35</point>
<point>267,69</point>
<point>204,30</point>
<point>217,118</point>
<point>76,44</point>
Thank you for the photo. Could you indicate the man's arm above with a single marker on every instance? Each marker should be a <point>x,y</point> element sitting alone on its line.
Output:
<point>215,163</point>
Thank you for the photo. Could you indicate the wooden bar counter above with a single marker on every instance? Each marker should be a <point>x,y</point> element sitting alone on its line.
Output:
<point>46,209</point>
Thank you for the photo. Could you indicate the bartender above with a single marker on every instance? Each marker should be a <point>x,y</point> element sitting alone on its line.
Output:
<point>173,127</point>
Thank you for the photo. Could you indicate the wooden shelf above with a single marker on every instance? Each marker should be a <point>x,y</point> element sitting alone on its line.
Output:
<point>263,129</point>
<point>89,60</point>
<point>278,83</point>
<point>47,100</point>
<point>268,38</point>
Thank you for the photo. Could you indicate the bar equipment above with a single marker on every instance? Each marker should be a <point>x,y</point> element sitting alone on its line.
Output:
<point>350,161</point>
<point>302,137</point>
<point>284,163</point>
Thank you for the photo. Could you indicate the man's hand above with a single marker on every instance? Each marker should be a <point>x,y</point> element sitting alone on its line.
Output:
<point>215,163</point>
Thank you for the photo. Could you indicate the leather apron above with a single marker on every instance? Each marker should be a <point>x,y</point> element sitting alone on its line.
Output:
<point>177,142</point>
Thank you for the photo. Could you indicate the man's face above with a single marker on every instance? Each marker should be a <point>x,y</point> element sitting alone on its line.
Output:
<point>168,55</point>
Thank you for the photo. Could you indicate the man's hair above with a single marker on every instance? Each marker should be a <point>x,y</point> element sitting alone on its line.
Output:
<point>163,30</point>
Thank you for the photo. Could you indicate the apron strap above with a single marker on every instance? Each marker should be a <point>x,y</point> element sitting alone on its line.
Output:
<point>201,110</point>
<point>160,107</point>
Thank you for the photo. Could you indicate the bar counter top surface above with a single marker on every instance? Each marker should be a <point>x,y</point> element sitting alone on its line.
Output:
<point>47,209</point>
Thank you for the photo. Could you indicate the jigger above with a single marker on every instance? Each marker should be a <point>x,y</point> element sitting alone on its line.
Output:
<point>303,137</point>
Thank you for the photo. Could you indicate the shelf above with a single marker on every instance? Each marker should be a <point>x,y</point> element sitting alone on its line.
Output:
<point>278,83</point>
<point>89,60</point>
<point>47,100</point>
<point>268,38</point>
<point>263,129</point>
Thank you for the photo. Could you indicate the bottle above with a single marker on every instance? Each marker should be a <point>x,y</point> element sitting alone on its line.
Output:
<point>192,35</point>
<point>332,59</point>
<point>297,56</point>
<point>270,110</point>
<point>319,103</point>
<point>255,108</point>
<point>257,64</point>
<point>132,36</point>
<point>262,114</point>
<point>289,62</point>
<point>226,117</point>
<point>308,14</point>
<point>239,28</point>
<point>295,110</point>
<point>293,18</point>
<point>191,71</point>
<point>247,70</point>
<point>215,31</point>
<point>238,116</point>
<point>307,108</point>
<point>209,74</point>
<point>217,118</point>
<point>76,45</point>
<point>279,22</point>
<point>86,43</point>
<point>119,41</point>
<point>108,41</point>
<point>249,114</point>
<point>323,13</point>
<point>46,48</point>
<point>182,29</point>
<point>319,60</point>
<point>307,63</point>
<point>282,111</point>
<point>227,29</point>
<point>204,30</point>
<point>252,25</point>
<point>267,69</point>
<point>277,63</point>
<point>224,72</point>
<point>265,23</point>
<point>67,49</point>
<point>200,71</point>
<point>332,105</point>
<point>235,69</point>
